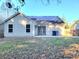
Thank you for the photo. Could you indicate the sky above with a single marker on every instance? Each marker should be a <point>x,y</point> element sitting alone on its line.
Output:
<point>68,9</point>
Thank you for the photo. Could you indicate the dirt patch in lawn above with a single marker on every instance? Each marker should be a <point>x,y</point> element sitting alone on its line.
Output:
<point>54,48</point>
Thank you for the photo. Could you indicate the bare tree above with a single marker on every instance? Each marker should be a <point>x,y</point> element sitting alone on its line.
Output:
<point>47,2</point>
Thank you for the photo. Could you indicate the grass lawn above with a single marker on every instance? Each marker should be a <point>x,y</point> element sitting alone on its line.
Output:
<point>34,48</point>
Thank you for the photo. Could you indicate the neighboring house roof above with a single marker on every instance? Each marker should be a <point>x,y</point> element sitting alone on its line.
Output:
<point>75,22</point>
<point>53,19</point>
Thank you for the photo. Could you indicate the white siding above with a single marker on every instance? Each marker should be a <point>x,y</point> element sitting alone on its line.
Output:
<point>18,29</point>
<point>49,31</point>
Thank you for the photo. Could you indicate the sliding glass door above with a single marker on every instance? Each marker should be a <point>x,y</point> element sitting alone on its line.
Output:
<point>41,30</point>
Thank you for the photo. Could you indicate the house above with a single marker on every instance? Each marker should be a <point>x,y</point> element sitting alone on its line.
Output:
<point>75,28</point>
<point>19,25</point>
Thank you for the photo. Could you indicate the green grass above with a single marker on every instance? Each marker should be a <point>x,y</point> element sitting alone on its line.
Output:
<point>8,45</point>
<point>63,41</point>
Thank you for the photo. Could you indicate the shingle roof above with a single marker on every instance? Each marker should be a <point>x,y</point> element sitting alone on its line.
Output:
<point>53,19</point>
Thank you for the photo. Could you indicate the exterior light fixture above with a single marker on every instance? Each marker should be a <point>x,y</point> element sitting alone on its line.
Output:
<point>50,25</point>
<point>23,22</point>
<point>12,20</point>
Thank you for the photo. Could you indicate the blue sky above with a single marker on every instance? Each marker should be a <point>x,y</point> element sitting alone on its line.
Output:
<point>68,9</point>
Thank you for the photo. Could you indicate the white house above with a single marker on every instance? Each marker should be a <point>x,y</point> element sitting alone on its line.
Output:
<point>19,25</point>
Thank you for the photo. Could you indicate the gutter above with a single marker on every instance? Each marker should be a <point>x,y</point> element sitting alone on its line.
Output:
<point>6,20</point>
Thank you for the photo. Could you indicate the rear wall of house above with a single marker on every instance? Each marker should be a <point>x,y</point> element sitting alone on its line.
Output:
<point>18,28</point>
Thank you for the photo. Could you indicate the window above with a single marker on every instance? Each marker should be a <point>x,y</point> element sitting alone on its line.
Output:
<point>10,28</point>
<point>55,33</point>
<point>27,27</point>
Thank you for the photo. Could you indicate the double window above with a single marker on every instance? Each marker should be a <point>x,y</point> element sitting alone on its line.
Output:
<point>10,28</point>
<point>28,28</point>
